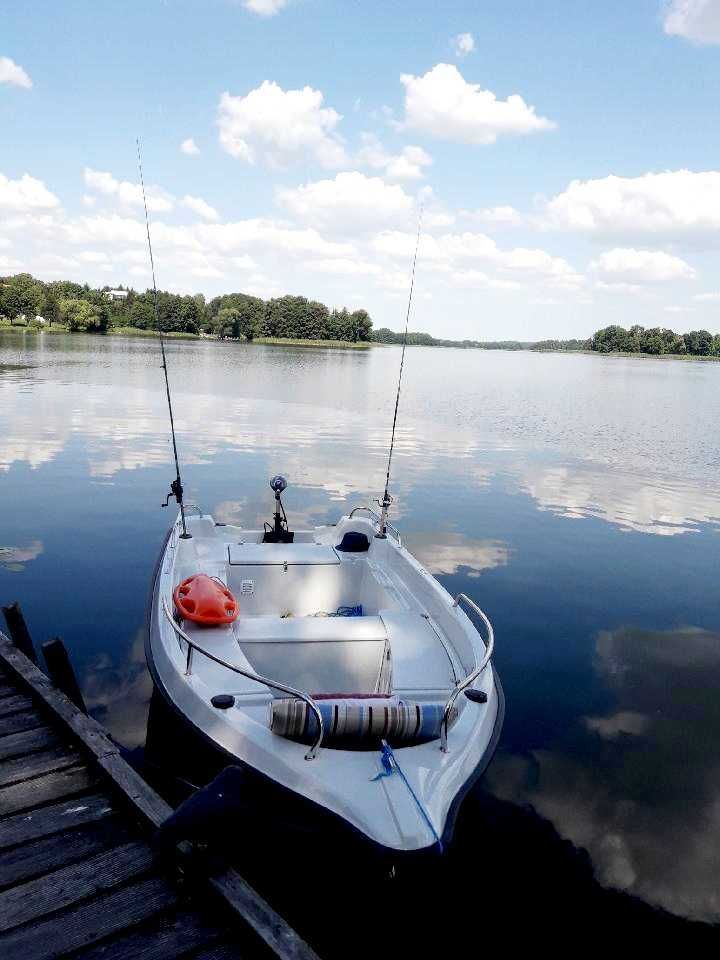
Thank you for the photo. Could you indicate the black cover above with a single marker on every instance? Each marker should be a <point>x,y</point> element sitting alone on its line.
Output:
<point>354,542</point>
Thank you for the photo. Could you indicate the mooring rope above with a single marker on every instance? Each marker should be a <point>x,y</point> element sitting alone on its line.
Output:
<point>389,766</point>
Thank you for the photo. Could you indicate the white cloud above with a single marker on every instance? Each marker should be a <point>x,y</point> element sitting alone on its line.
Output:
<point>344,267</point>
<point>25,194</point>
<point>498,216</point>
<point>627,265</point>
<point>464,43</point>
<point>265,8</point>
<point>200,207</point>
<point>351,201</point>
<point>673,202</point>
<point>92,256</point>
<point>189,147</point>
<point>462,252</point>
<point>697,20</point>
<point>674,309</point>
<point>127,194</point>
<point>444,105</point>
<point>707,297</point>
<point>406,165</point>
<point>13,74</point>
<point>619,287</point>
<point>280,127</point>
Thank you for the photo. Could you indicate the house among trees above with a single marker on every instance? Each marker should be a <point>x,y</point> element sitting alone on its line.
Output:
<point>116,294</point>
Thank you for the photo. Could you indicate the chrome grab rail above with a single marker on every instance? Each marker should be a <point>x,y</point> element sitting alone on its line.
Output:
<point>472,677</point>
<point>191,645</point>
<point>376,517</point>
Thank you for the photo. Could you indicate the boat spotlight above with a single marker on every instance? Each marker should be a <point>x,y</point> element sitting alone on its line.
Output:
<point>278,532</point>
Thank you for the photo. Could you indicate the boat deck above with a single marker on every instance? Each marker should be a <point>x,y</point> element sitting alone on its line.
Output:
<point>78,876</point>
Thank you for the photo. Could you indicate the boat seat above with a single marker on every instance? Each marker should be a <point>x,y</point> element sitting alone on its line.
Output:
<point>420,662</point>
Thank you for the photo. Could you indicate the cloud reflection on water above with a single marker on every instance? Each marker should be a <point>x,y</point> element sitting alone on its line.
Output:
<point>445,554</point>
<point>15,558</point>
<point>639,788</point>
<point>658,505</point>
<point>118,693</point>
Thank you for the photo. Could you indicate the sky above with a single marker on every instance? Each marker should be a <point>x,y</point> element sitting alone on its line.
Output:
<point>563,158</point>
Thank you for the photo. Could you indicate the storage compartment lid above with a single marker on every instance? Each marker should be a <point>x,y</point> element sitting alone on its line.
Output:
<point>277,554</point>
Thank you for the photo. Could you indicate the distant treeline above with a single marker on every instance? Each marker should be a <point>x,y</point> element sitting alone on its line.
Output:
<point>24,299</point>
<point>383,335</point>
<point>80,307</point>
<point>656,341</point>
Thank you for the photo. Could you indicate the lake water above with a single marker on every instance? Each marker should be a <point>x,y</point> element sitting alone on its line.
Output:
<point>573,497</point>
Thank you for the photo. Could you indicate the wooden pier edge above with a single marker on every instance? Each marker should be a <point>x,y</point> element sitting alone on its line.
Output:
<point>227,883</point>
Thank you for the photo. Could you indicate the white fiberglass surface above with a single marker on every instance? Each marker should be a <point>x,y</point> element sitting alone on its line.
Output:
<point>327,666</point>
<point>306,590</point>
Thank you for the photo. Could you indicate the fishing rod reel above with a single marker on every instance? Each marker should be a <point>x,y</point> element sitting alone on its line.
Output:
<point>384,505</point>
<point>176,491</point>
<point>278,532</point>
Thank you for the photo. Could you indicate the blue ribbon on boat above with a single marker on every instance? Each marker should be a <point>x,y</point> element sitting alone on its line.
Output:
<point>389,766</point>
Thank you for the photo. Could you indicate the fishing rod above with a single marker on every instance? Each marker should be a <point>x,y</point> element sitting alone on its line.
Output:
<point>387,499</point>
<point>176,489</point>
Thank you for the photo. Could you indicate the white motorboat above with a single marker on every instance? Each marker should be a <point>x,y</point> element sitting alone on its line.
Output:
<point>348,675</point>
<point>328,661</point>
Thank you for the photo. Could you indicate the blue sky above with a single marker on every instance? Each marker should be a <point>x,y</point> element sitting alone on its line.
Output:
<point>565,154</point>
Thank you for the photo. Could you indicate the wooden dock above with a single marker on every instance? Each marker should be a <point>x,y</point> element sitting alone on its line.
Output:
<point>78,875</point>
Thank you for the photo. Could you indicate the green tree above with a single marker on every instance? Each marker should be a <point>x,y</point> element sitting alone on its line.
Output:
<point>22,295</point>
<point>80,315</point>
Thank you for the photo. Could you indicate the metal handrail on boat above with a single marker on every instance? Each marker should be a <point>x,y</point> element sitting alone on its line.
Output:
<point>471,677</point>
<point>377,518</point>
<point>298,694</point>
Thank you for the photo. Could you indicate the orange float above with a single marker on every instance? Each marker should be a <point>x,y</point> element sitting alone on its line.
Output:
<point>203,599</point>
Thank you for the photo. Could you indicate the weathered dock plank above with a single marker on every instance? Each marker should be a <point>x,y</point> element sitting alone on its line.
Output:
<point>27,741</point>
<point>29,860</point>
<point>14,704</point>
<point>88,922</point>
<point>40,790</point>
<point>168,936</point>
<point>34,764</point>
<point>32,825</point>
<point>17,722</point>
<point>71,884</point>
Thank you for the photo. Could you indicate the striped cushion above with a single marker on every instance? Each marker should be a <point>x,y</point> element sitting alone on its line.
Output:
<point>356,721</point>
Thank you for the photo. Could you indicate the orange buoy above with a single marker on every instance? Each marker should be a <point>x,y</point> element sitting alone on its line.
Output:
<point>205,600</point>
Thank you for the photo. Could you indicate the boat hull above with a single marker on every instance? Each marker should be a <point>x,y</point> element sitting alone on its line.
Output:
<point>289,811</point>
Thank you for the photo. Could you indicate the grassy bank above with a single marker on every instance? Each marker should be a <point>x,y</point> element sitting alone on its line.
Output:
<point>332,344</point>
<point>6,326</point>
<point>688,357</point>
<point>139,332</point>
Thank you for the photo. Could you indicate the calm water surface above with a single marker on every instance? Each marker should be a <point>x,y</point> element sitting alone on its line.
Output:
<point>574,497</point>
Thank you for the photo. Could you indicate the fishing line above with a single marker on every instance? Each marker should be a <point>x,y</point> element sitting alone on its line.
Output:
<point>176,489</point>
<point>387,499</point>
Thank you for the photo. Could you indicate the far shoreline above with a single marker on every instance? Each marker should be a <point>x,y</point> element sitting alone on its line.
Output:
<point>139,332</point>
